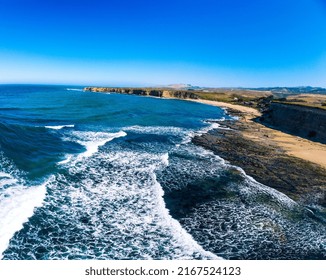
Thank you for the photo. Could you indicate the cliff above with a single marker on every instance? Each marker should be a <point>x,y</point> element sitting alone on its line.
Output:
<point>181,94</point>
<point>303,121</point>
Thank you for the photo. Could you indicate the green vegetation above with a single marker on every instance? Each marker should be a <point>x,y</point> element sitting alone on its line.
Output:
<point>214,96</point>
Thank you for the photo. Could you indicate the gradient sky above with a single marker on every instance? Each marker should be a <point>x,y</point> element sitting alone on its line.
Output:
<point>146,42</point>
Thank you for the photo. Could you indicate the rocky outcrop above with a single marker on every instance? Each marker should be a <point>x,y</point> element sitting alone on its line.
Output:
<point>181,94</point>
<point>303,121</point>
<point>266,162</point>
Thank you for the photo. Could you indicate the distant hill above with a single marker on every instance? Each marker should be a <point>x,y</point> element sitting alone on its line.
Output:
<point>183,87</point>
<point>278,92</point>
<point>286,91</point>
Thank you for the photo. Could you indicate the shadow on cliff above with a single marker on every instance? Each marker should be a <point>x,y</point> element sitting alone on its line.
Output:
<point>305,122</point>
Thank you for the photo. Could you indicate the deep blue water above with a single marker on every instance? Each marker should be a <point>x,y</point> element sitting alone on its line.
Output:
<point>83,176</point>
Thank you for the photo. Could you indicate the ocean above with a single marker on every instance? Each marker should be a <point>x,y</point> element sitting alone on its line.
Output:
<point>88,175</point>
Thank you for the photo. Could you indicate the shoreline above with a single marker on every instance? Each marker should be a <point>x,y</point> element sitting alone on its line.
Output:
<point>292,145</point>
<point>287,163</point>
<point>295,146</point>
<point>290,164</point>
<point>247,111</point>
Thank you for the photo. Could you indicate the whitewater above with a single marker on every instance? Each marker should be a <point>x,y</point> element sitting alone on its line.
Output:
<point>107,176</point>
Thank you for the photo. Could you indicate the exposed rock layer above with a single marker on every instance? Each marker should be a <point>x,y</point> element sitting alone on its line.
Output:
<point>307,122</point>
<point>303,121</point>
<point>182,94</point>
<point>299,179</point>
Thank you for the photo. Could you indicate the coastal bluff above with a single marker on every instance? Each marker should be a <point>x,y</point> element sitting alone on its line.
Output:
<point>167,93</point>
<point>300,120</point>
<point>303,121</point>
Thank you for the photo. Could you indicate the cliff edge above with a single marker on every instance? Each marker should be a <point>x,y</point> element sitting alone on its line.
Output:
<point>181,94</point>
<point>306,122</point>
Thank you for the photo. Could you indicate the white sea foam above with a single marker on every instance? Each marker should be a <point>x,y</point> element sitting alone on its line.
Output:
<point>179,234</point>
<point>254,213</point>
<point>215,120</point>
<point>114,199</point>
<point>66,160</point>
<point>57,127</point>
<point>160,130</point>
<point>5,181</point>
<point>75,89</point>
<point>17,204</point>
<point>256,187</point>
<point>190,134</point>
<point>3,174</point>
<point>118,191</point>
<point>212,125</point>
<point>91,141</point>
<point>165,159</point>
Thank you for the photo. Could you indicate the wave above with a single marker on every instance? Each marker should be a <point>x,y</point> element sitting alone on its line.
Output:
<point>91,141</point>
<point>180,234</point>
<point>159,130</point>
<point>135,208</point>
<point>210,125</point>
<point>117,198</point>
<point>165,159</point>
<point>57,127</point>
<point>75,89</point>
<point>230,214</point>
<point>108,206</point>
<point>17,204</point>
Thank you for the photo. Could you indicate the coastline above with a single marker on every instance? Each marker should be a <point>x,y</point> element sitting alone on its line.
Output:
<point>313,152</point>
<point>290,164</point>
<point>152,179</point>
<point>295,146</point>
<point>287,163</point>
<point>246,112</point>
<point>212,209</point>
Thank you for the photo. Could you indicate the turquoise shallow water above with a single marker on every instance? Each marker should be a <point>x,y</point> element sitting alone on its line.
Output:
<point>97,176</point>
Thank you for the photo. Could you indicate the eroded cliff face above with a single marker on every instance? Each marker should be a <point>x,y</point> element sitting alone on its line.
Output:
<point>306,122</point>
<point>182,94</point>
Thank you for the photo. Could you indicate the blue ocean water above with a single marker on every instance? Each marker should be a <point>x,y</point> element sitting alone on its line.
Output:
<point>91,176</point>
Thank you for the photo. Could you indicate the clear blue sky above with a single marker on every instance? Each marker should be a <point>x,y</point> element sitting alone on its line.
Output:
<point>156,42</point>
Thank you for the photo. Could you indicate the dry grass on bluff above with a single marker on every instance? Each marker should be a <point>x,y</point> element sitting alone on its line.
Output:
<point>310,100</point>
<point>233,95</point>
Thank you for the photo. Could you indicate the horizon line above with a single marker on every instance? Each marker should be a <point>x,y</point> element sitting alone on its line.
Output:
<point>157,86</point>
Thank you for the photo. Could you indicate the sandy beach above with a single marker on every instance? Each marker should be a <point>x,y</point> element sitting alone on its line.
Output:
<point>287,163</point>
<point>247,111</point>
<point>292,145</point>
